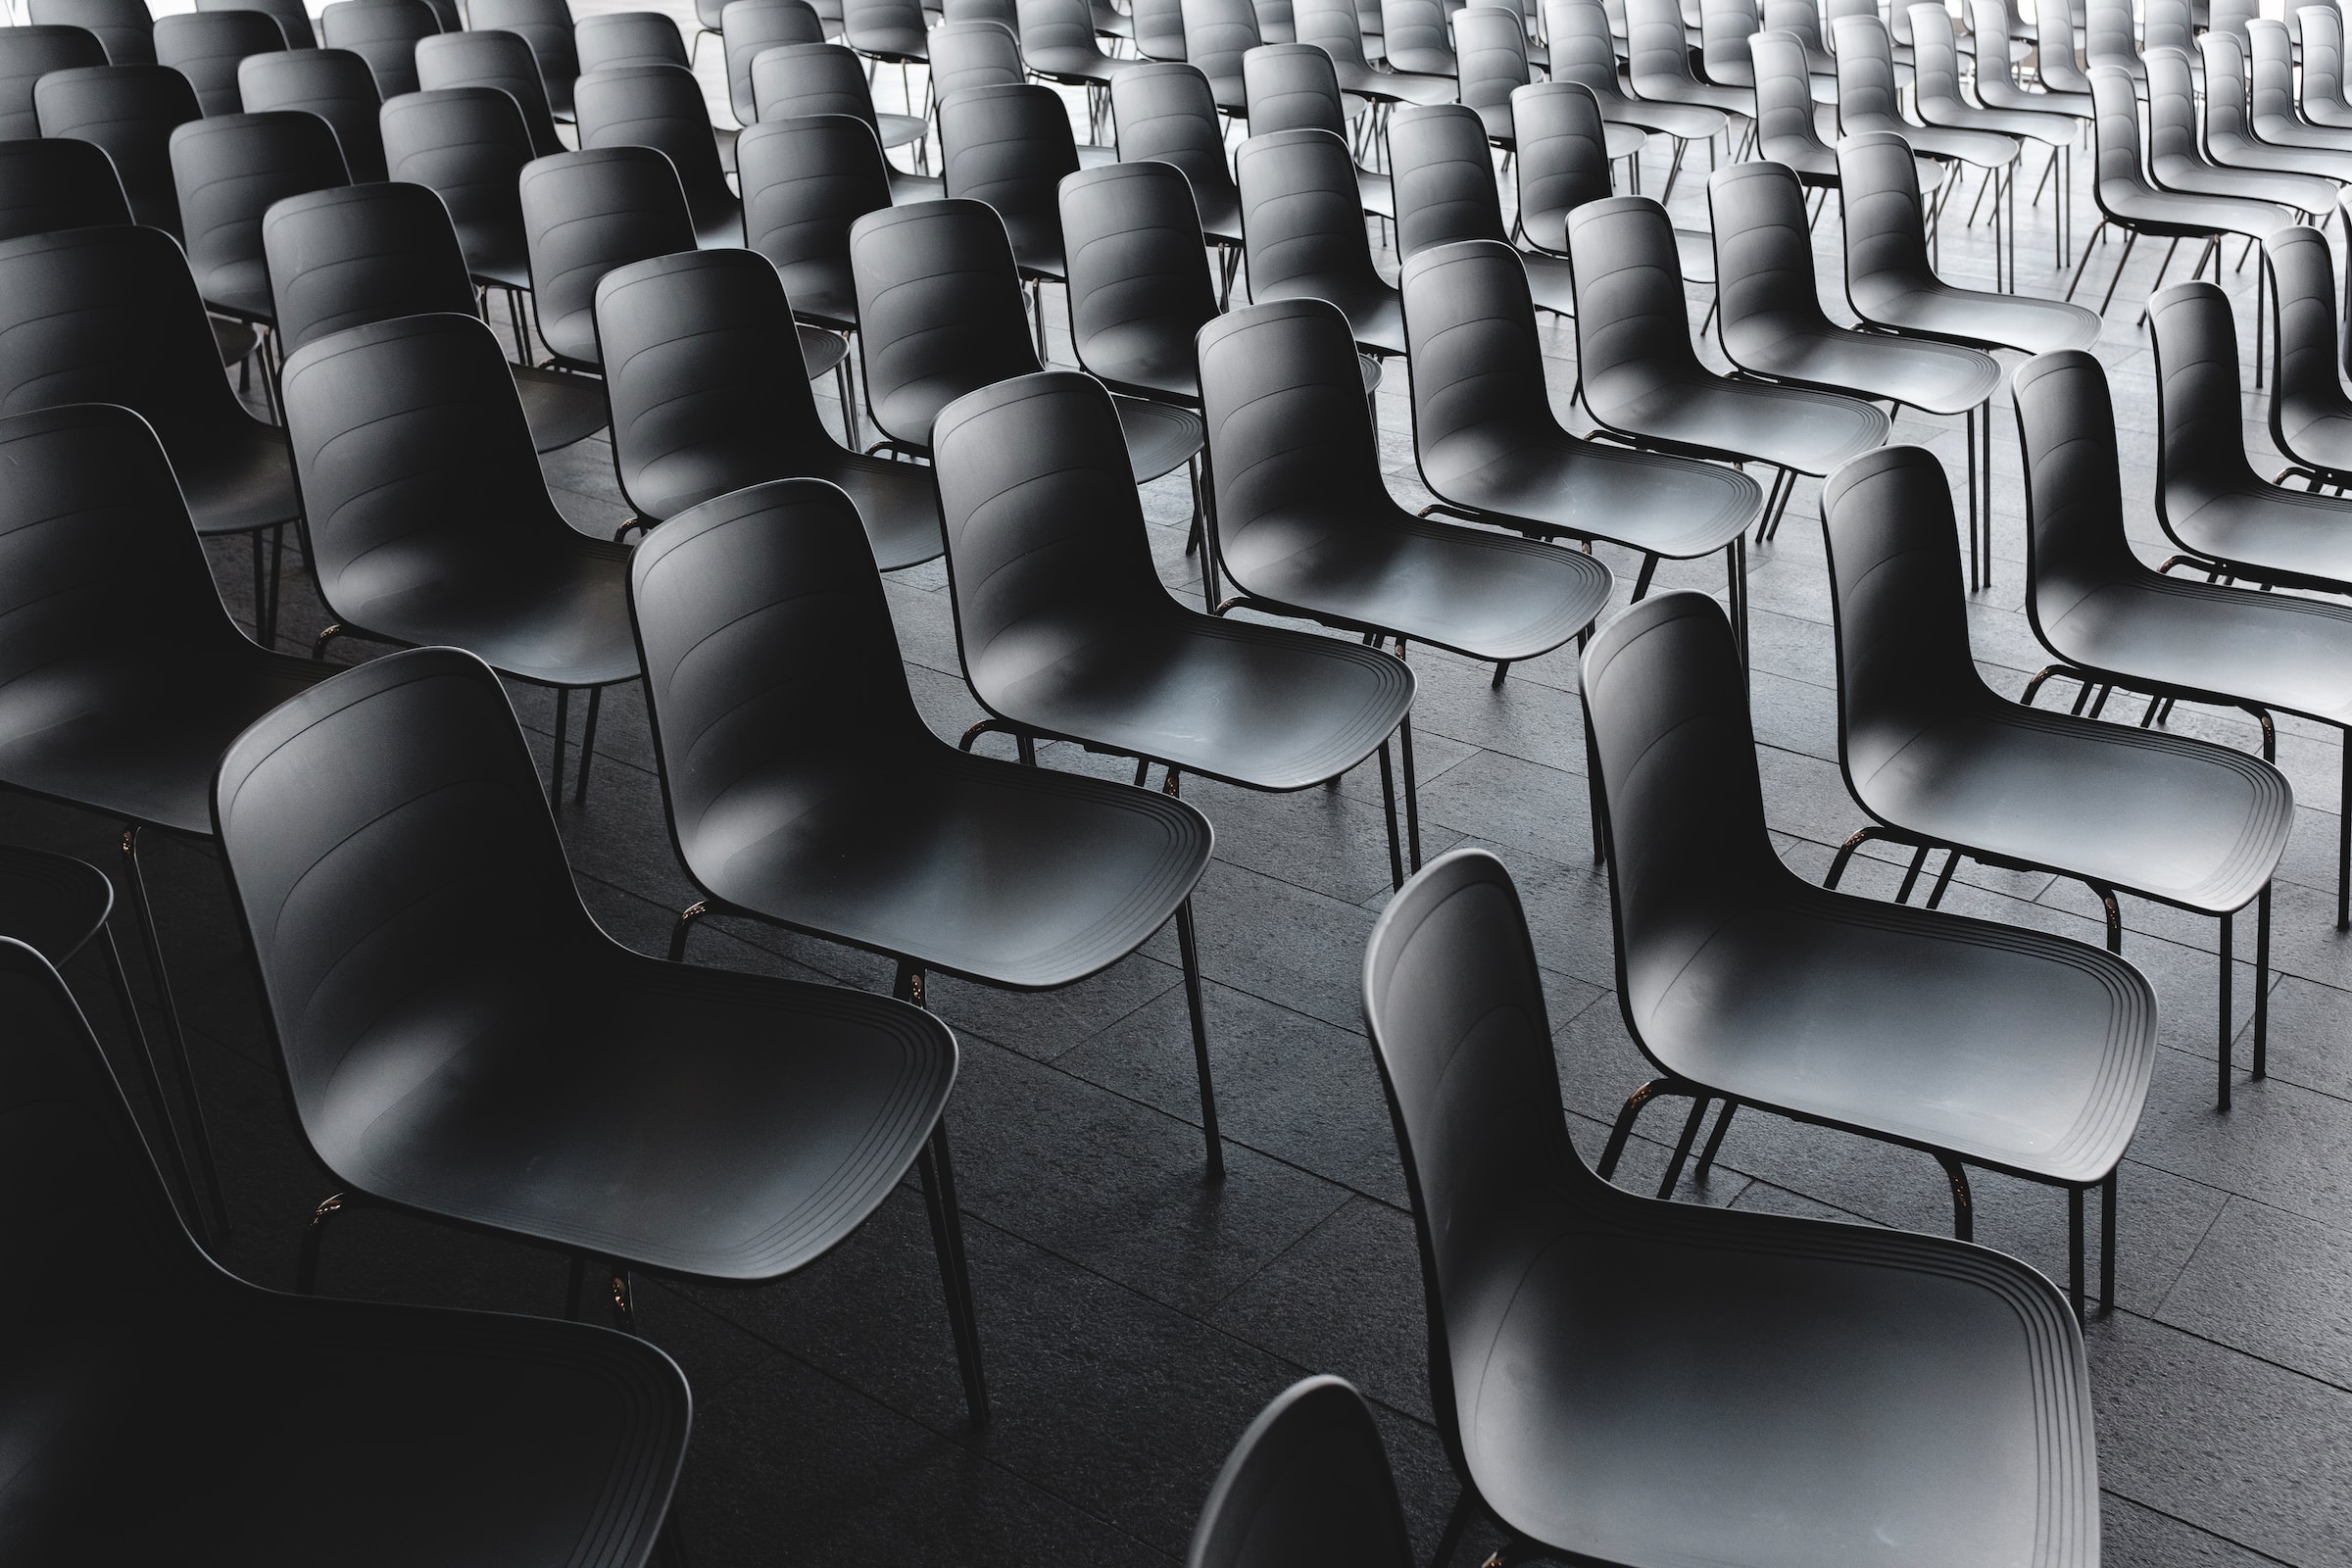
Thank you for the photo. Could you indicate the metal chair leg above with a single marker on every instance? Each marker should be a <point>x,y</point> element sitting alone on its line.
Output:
<point>1189,946</point>
<point>937,1169</point>
<point>306,1264</point>
<point>1635,1103</point>
<point>555,786</point>
<point>2227,952</point>
<point>685,928</point>
<point>1457,1522</point>
<point>1706,1158</point>
<point>2107,1243</point>
<point>596,698</point>
<point>2262,983</point>
<point>1388,799</point>
<point>1682,1147</point>
<point>2074,1249</point>
<point>173,1140</point>
<point>199,1135</point>
<point>1964,1204</point>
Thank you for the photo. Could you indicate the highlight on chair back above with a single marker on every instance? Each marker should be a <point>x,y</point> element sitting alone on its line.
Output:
<point>547,27</point>
<point>334,85</point>
<point>207,46</point>
<point>585,213</point>
<point>1302,229</point>
<point>1307,1485</point>
<point>500,59</point>
<point>125,28</point>
<point>382,33</point>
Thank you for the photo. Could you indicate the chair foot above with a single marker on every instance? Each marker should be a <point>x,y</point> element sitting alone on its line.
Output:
<point>684,928</point>
<point>1682,1147</point>
<point>1457,1522</point>
<point>1964,1206</point>
<point>1635,1103</point>
<point>306,1265</point>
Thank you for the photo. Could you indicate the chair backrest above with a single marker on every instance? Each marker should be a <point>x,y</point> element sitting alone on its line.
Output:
<point>1631,322</point>
<point>792,80</point>
<point>585,213</point>
<point>1563,158</point>
<point>1935,64</point>
<point>1009,147</point>
<point>2172,113</point>
<point>1444,175</point>
<point>657,105</point>
<point>2228,18</point>
<point>1309,1486</point>
<point>1167,113</point>
<point>2057,58</point>
<point>1301,212</point>
<point>1583,49</point>
<point>53,182</point>
<point>293,19</point>
<point>205,47</point>
<point>2323,55</point>
<point>1139,268</point>
<point>1275,22</point>
<point>129,112</point>
<point>2199,412</point>
<point>1159,28</point>
<point>2226,123</point>
<point>124,29</point>
<point>1866,89</point>
<point>889,28</point>
<point>1490,55</point>
<point>1330,26</point>
<point>1991,23</point>
<point>1885,231</point>
<point>612,38</point>
<point>544,25</point>
<point>381,898</point>
<point>748,26</point>
<point>468,145</point>
<point>1785,130</point>
<point>334,85</point>
<point>1293,86</point>
<point>228,170</point>
<point>691,345</point>
<point>1416,29</point>
<point>112,315</point>
<point>1801,20</point>
<point>1049,27</point>
<point>2166,26</point>
<point>355,254</point>
<point>2304,319</point>
<point>1657,47</point>
<point>2075,539</point>
<point>969,54</point>
<point>382,33</point>
<point>2115,133</point>
<point>1478,362</point>
<point>500,59</point>
<point>27,55</point>
<point>1217,33</point>
<point>2108,38</point>
<point>804,181</point>
<point>939,311</point>
<point>1724,27</point>
<point>1006,13</point>
<point>2270,56</point>
<point>1765,286</point>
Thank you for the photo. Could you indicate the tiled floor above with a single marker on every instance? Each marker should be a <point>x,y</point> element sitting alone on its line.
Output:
<point>1135,1318</point>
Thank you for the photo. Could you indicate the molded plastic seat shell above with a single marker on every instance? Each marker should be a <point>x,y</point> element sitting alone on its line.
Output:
<point>760,25</point>
<point>1307,1485</point>
<point>2125,197</point>
<point>206,46</point>
<point>1010,147</point>
<point>500,59</point>
<point>27,55</point>
<point>52,182</point>
<point>792,80</point>
<point>334,85</point>
<point>1445,184</point>
<point>547,27</point>
<point>293,18</point>
<point>228,170</point>
<point>129,112</point>
<point>469,146</point>
<point>585,213</point>
<point>662,107</point>
<point>2311,418</point>
<point>124,29</point>
<point>1304,229</point>
<point>382,33</point>
<point>805,179</point>
<point>1167,113</point>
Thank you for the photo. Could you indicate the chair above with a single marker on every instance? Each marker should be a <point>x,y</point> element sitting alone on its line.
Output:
<point>662,107</point>
<point>583,214</point>
<point>382,33</point>
<point>547,27</point>
<point>358,253</point>
<point>690,343</point>
<point>541,1431</point>
<point>1491,451</point>
<point>1773,327</point>
<point>1009,147</point>
<point>2271,105</point>
<point>1217,34</point>
<point>130,113</point>
<point>334,85</point>
<point>1491,63</point>
<point>939,312</point>
<point>1995,72</point>
<point>1642,379</point>
<point>610,39</point>
<point>124,29</point>
<point>293,19</point>
<point>2311,418</point>
<point>2322,87</point>
<point>1006,13</point>
<point>885,31</point>
<point>1801,20</point>
<point>1584,51</point>
<point>1445,182</point>
<point>205,46</point>
<point>27,55</point>
<point>1938,761</point>
<point>791,80</point>
<point>1305,524</point>
<point>1276,22</point>
<point>1724,27</point>
<point>1415,39</point>
<point>804,181</point>
<point>2109,620</point>
<point>1565,149</point>
<point>1936,88</point>
<point>2230,138</point>
<point>1158,28</point>
<point>2176,162</point>
<point>1167,112</point>
<point>53,182</point>
<point>1658,62</point>
<point>2057,59</point>
<point>760,25</point>
<point>811,1100</point>
<point>1334,26</point>
<point>500,59</point>
<point>1139,291</point>
<point>1840,1387</point>
<point>468,146</point>
<point>1307,1482</point>
<point>1018,877</point>
<point>1057,43</point>
<point>2166,25</point>
<point>974,54</point>
<point>448,535</point>
<point>126,675</point>
<point>1786,129</point>
<point>227,170</point>
<point>1294,86</point>
<point>2108,38</point>
<point>1066,632</point>
<point>1303,229</point>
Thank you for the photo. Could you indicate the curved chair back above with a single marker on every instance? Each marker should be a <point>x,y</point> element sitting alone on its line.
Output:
<point>2057,59</point>
<point>939,311</point>
<point>691,345</point>
<point>585,213</point>
<point>2304,320</point>
<point>1006,13</point>
<point>1886,235</point>
<point>334,85</point>
<point>2074,540</point>
<point>1445,176</point>
<point>2166,26</point>
<point>662,107</point>
<point>1275,23</point>
<point>27,55</point>
<point>1724,27</point>
<point>1866,87</point>
<point>746,28</point>
<point>129,112</point>
<point>2228,18</point>
<point>124,29</point>
<point>2200,429</point>
<point>2171,114</point>
<point>546,25</point>
<point>1307,1486</point>
<point>2108,38</point>
<point>1787,133</point>
<point>1476,361</point>
<point>1139,283</point>
<point>2271,66</point>
<point>382,33</point>
<point>1633,326</point>
<point>2224,75</point>
<point>1010,147</point>
<point>1291,86</point>
<point>804,181</point>
<point>1491,59</point>
<point>1935,66</point>
<point>1801,20</point>
<point>1167,113</point>
<point>205,47</point>
<point>2115,135</point>
<point>469,146</point>
<point>1583,49</point>
<point>792,80</point>
<point>969,54</point>
<point>500,59</point>
<point>1563,158</point>
<point>614,38</point>
<point>1330,26</point>
<point>2323,60</point>
<point>1048,29</point>
<point>886,29</point>
<point>1301,214</point>
<point>1765,286</point>
<point>53,182</point>
<point>293,19</point>
<point>1158,28</point>
<point>1657,56</point>
<point>355,254</point>
<point>228,170</point>
<point>1217,33</point>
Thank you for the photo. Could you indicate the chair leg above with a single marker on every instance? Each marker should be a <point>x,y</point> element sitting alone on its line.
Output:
<point>684,928</point>
<point>1502,667</point>
<point>2113,910</point>
<point>1413,791</point>
<point>1388,800</point>
<point>1635,1103</point>
<point>306,1264</point>
<point>1682,1147</point>
<point>2227,952</point>
<point>555,787</point>
<point>1650,570</point>
<point>1189,946</point>
<point>198,1133</point>
<point>2107,1243</point>
<point>2074,1250</point>
<point>596,698</point>
<point>624,1307</point>
<point>2262,983</point>
<point>2343,847</point>
<point>1918,859</point>
<point>1951,863</point>
<point>1457,1522</point>
<point>278,577</point>
<point>937,1169</point>
<point>1706,1156</point>
<point>1964,1206</point>
<point>1846,854</point>
<point>169,1123</point>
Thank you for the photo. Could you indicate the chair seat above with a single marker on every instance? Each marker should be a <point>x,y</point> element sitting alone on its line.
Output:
<point>1938,377</point>
<point>822,351</point>
<point>2001,95</point>
<point>572,337</point>
<point>718,222</point>
<point>906,187</point>
<point>823,292</point>
<point>1501,129</point>
<point>899,130</point>
<point>1974,1449</point>
<point>2304,192</point>
<point>2264,156</point>
<point>558,617</point>
<point>1230,95</point>
<point>897,503</point>
<point>1488,596</point>
<point>2288,653</point>
<point>235,479</point>
<point>1160,439</point>
<point>1550,284</point>
<point>1387,86</point>
<point>2164,212</point>
<point>239,288</point>
<point>1977,318</point>
<point>2319,437</point>
<point>2050,130</point>
<point>2011,1048</point>
<point>1220,215</point>
<point>234,339</point>
<point>1621,139</point>
<point>1014,876</point>
<point>1266,708</point>
<point>53,904</point>
<point>2294,533</point>
<point>1790,427</point>
<point>560,409</point>
<point>1686,121</point>
<point>1144,360</point>
<point>1075,67</point>
<point>1090,156</point>
<point>1698,94</point>
<point>892,45</point>
<point>1377,194</point>
<point>1433,62</point>
<point>1658,505</point>
<point>1978,149</point>
<point>1374,312</point>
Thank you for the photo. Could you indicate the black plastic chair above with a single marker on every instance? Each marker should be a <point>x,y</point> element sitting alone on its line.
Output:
<point>583,214</point>
<point>293,19</point>
<point>610,39</point>
<point>1938,761</point>
<point>1294,86</point>
<point>1305,524</point>
<point>1491,451</point>
<point>1217,33</point>
<point>2311,418</point>
<point>546,25</point>
<point>1445,184</point>
<point>662,107</point>
<point>205,46</point>
<point>500,59</point>
<point>420,920</point>
<point>1773,327</point>
<point>974,54</point>
<point>124,29</point>
<point>1139,291</point>
<point>1167,112</point>
<point>1491,51</point>
<point>468,146</point>
<point>1584,51</point>
<point>27,55</point>
<point>127,675</point>
<point>1336,28</point>
<point>2109,621</point>
<point>129,112</point>
<point>1837,1388</point>
<point>691,344</point>
<point>1058,41</point>
<point>938,309</point>
<point>1415,39</point>
<point>1642,380</point>
<point>228,170</point>
<point>482,1433</point>
<point>1010,147</point>
<point>1020,877</point>
<point>2176,162</point>
<point>746,28</point>
<point>372,253</point>
<point>792,80</point>
<point>428,521</point>
<point>1307,1485</point>
<point>1564,156</point>
<point>1303,229</point>
<point>2320,87</point>
<point>1067,633</point>
<point>804,181</point>
<point>334,85</point>
<point>53,182</point>
<point>885,31</point>
<point>382,33</point>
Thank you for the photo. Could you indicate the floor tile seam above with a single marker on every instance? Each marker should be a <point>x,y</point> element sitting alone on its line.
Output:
<point>1259,1272</point>
<point>2190,1524</point>
<point>2109,1314</point>
<point>2188,1261</point>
